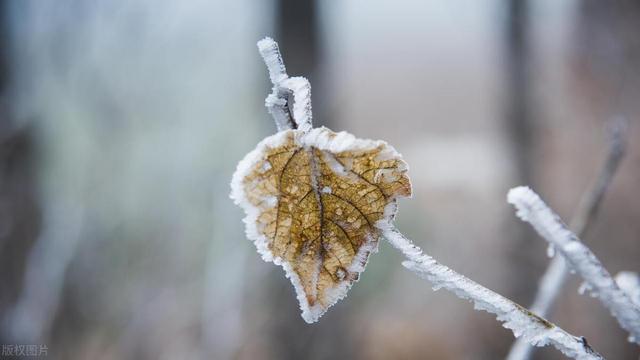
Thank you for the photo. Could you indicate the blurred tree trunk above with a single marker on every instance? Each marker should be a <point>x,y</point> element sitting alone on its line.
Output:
<point>607,55</point>
<point>297,33</point>
<point>19,210</point>
<point>518,121</point>
<point>518,112</point>
<point>518,118</point>
<point>606,77</point>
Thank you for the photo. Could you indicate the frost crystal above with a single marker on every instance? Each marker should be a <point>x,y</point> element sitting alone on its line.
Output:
<point>551,251</point>
<point>629,282</point>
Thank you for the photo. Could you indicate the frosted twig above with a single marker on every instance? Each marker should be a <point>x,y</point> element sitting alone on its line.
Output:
<point>290,101</point>
<point>525,324</point>
<point>270,52</point>
<point>534,211</point>
<point>556,273</point>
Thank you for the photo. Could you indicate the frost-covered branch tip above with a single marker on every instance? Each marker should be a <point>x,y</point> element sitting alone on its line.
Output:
<point>290,101</point>
<point>554,277</point>
<point>273,59</point>
<point>532,209</point>
<point>525,324</point>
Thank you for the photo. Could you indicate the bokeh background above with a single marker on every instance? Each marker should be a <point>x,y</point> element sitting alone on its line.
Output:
<point>121,122</point>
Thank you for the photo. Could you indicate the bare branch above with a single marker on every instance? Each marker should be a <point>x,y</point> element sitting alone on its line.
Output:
<point>524,324</point>
<point>590,203</point>
<point>547,223</point>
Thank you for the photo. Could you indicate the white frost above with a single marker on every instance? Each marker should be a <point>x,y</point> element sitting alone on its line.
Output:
<point>629,282</point>
<point>272,58</point>
<point>532,209</point>
<point>300,89</point>
<point>239,197</point>
<point>551,251</point>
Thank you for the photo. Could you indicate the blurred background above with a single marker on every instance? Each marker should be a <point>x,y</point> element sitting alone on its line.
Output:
<point>123,120</point>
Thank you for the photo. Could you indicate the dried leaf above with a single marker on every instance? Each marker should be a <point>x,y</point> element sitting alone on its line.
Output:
<point>314,202</point>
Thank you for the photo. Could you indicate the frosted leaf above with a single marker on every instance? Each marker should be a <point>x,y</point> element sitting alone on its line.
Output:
<point>321,227</point>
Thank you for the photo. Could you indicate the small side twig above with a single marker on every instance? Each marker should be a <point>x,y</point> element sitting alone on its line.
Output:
<point>590,203</point>
<point>532,209</point>
<point>290,101</point>
<point>557,271</point>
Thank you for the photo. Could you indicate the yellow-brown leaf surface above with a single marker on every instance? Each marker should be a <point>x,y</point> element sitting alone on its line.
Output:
<point>313,201</point>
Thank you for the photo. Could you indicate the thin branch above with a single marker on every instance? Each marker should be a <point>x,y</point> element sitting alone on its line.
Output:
<point>557,271</point>
<point>590,203</point>
<point>270,52</point>
<point>290,101</point>
<point>300,90</point>
<point>547,223</point>
<point>550,285</point>
<point>525,324</point>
